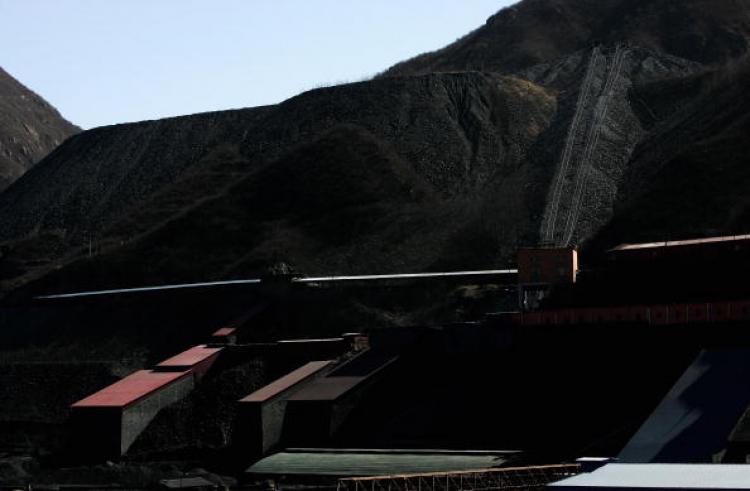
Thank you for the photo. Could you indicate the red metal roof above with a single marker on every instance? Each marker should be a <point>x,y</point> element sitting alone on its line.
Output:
<point>675,243</point>
<point>130,389</point>
<point>191,357</point>
<point>224,331</point>
<point>280,385</point>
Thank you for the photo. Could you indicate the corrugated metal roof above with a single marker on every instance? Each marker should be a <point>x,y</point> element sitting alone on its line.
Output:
<point>130,389</point>
<point>287,381</point>
<point>191,357</point>
<point>676,243</point>
<point>374,462</point>
<point>662,476</point>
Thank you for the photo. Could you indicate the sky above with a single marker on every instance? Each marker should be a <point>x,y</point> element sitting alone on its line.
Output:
<point>102,62</point>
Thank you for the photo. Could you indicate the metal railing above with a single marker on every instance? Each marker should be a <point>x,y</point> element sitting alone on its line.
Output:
<point>511,478</point>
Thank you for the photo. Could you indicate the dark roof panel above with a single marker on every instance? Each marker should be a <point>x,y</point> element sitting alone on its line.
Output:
<point>374,462</point>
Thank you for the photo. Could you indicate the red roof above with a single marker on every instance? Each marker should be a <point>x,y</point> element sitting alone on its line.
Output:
<point>280,385</point>
<point>224,331</point>
<point>191,357</point>
<point>130,389</point>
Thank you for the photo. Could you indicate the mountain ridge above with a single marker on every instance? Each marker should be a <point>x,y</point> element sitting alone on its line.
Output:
<point>548,151</point>
<point>29,129</point>
<point>537,31</point>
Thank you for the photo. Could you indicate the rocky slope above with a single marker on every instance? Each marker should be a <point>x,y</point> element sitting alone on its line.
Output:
<point>29,129</point>
<point>398,173</point>
<point>689,177</point>
<point>586,122</point>
<point>536,31</point>
<point>410,171</point>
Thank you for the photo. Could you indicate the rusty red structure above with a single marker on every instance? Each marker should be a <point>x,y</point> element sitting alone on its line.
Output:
<point>654,315</point>
<point>692,281</point>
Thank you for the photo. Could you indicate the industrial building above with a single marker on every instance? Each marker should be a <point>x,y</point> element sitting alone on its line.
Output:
<point>577,337</point>
<point>110,420</point>
<point>540,269</point>
<point>261,415</point>
<point>316,412</point>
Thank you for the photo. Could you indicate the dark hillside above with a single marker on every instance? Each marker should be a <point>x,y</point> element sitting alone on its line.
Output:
<point>379,176</point>
<point>691,177</point>
<point>623,120</point>
<point>400,173</point>
<point>29,129</point>
<point>536,31</point>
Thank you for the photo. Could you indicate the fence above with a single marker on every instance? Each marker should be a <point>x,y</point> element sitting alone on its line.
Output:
<point>511,478</point>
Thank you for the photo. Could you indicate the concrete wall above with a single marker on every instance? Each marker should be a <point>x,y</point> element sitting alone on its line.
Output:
<point>104,432</point>
<point>137,416</point>
<point>260,426</point>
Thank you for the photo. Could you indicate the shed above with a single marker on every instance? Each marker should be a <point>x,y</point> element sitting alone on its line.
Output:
<point>316,412</point>
<point>261,414</point>
<point>108,422</point>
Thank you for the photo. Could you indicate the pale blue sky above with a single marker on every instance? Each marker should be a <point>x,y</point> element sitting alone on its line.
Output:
<point>110,61</point>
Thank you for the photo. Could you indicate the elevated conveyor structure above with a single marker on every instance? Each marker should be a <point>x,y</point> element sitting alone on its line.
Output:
<point>581,151</point>
<point>592,141</point>
<point>550,220</point>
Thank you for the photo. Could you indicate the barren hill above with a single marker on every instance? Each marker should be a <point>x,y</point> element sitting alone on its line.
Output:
<point>420,171</point>
<point>29,129</point>
<point>585,122</point>
<point>536,31</point>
